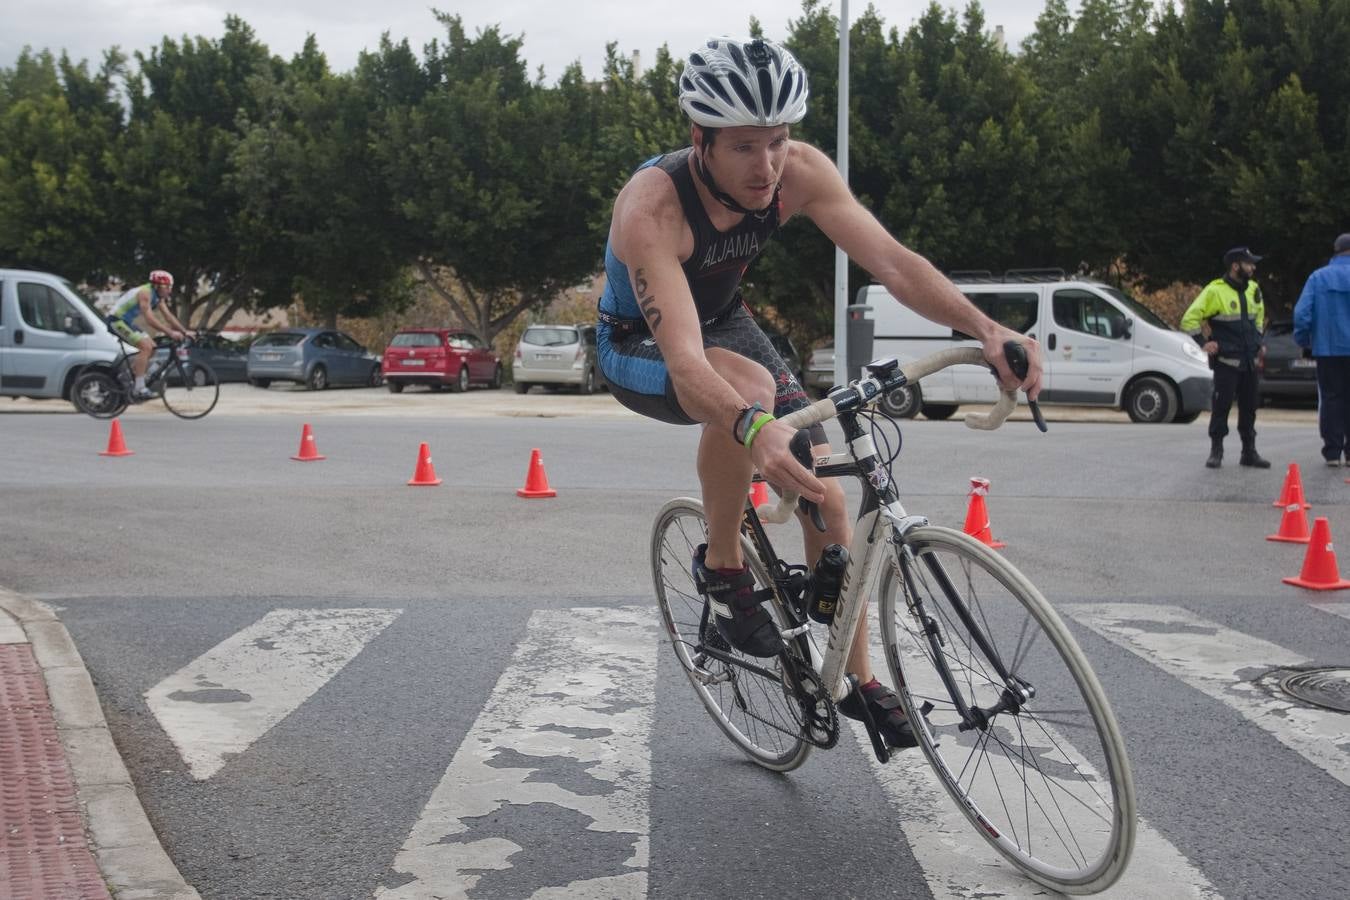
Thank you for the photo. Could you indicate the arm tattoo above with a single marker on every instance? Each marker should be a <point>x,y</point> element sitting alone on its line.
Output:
<point>646,303</point>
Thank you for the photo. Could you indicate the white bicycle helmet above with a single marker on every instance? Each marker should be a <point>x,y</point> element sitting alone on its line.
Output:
<point>729,83</point>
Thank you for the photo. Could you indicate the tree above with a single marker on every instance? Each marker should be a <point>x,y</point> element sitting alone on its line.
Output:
<point>314,219</point>
<point>495,176</point>
<point>58,124</point>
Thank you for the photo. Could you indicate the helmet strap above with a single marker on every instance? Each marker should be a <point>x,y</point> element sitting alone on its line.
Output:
<point>726,199</point>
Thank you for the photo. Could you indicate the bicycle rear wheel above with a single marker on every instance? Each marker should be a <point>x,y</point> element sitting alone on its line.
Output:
<point>193,391</point>
<point>754,707</point>
<point>97,393</point>
<point>1046,782</point>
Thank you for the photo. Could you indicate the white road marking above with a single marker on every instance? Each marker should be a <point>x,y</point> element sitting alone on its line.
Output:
<point>1336,609</point>
<point>215,707</point>
<point>580,686</point>
<point>1221,663</point>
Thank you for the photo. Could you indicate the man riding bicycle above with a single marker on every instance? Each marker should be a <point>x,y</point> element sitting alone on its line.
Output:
<point>677,344</point>
<point>143,302</point>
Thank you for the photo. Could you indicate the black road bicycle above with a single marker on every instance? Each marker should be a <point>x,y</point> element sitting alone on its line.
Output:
<point>1012,720</point>
<point>189,389</point>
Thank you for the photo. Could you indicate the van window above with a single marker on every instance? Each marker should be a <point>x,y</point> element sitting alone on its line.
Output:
<point>549,337</point>
<point>1012,309</point>
<point>41,307</point>
<point>1139,309</point>
<point>1084,311</point>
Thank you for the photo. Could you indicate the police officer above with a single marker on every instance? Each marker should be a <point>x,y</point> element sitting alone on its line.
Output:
<point>1236,314</point>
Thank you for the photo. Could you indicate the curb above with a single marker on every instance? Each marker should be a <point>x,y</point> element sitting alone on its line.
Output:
<point>126,848</point>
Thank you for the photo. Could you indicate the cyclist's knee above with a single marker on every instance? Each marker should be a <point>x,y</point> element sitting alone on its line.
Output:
<point>751,380</point>
<point>146,346</point>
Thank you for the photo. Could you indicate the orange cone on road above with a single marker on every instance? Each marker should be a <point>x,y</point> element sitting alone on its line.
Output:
<point>309,452</point>
<point>116,445</point>
<point>425,476</point>
<point>1294,522</point>
<point>536,482</point>
<point>759,494</point>
<point>977,516</point>
<point>1319,564</point>
<point>1292,482</point>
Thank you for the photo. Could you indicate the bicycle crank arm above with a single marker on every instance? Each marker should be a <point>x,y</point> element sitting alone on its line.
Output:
<point>879,747</point>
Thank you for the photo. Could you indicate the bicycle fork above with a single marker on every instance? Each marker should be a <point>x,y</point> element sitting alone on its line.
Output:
<point>1016,691</point>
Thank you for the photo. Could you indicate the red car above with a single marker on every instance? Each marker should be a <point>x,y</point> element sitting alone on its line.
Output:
<point>439,358</point>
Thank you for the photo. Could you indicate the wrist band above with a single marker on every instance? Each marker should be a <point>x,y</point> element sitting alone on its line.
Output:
<point>756,426</point>
<point>742,421</point>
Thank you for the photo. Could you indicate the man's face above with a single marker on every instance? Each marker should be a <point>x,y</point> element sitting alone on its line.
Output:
<point>163,290</point>
<point>747,162</point>
<point>1245,269</point>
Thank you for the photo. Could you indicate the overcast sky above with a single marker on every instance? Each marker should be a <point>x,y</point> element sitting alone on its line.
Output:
<point>555,33</point>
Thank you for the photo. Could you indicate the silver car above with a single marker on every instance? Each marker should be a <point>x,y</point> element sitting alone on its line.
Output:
<point>314,357</point>
<point>557,355</point>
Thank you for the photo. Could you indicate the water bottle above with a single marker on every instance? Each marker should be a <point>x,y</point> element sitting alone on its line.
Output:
<point>825,583</point>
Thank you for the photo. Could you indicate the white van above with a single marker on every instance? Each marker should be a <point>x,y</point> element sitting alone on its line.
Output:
<point>48,334</point>
<point>1100,347</point>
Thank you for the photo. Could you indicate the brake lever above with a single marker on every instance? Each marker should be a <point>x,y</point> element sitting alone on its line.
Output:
<point>1016,354</point>
<point>800,445</point>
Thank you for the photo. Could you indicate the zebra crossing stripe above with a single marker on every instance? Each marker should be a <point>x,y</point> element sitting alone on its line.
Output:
<point>1222,663</point>
<point>1336,609</point>
<point>958,864</point>
<point>556,768</point>
<point>216,706</point>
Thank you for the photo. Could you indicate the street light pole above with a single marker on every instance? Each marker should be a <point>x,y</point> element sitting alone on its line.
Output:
<point>841,374</point>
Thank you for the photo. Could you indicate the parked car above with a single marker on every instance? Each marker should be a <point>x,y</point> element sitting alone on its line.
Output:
<point>440,358</point>
<point>226,358</point>
<point>315,357</point>
<point>818,377</point>
<point>1286,375</point>
<point>557,355</point>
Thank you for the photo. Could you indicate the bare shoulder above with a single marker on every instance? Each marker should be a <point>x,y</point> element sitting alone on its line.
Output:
<point>808,175</point>
<point>646,212</point>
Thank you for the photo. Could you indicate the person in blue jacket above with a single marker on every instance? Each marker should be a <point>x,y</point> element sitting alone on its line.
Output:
<point>1322,326</point>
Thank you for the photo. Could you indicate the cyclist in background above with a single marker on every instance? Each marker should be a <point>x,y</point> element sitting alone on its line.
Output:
<point>144,303</point>
<point>677,344</point>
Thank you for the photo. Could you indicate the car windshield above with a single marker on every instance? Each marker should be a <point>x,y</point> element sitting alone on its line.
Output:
<point>415,339</point>
<point>89,304</point>
<point>1139,309</point>
<point>550,337</point>
<point>279,339</point>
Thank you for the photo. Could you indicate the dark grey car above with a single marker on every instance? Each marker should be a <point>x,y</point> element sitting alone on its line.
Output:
<point>315,357</point>
<point>226,358</point>
<point>1286,375</point>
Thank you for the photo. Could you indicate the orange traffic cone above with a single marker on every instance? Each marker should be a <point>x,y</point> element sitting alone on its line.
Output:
<point>536,482</point>
<point>1319,564</point>
<point>759,494</point>
<point>977,517</point>
<point>308,451</point>
<point>1294,522</point>
<point>116,446</point>
<point>425,476</point>
<point>1292,482</point>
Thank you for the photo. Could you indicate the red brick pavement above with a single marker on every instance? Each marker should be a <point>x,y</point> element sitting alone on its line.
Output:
<point>44,854</point>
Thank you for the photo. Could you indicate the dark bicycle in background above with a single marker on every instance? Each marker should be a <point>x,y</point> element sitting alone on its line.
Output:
<point>189,389</point>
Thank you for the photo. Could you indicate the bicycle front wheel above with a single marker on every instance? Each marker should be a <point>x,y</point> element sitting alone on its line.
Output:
<point>1042,773</point>
<point>97,393</point>
<point>749,698</point>
<point>192,392</point>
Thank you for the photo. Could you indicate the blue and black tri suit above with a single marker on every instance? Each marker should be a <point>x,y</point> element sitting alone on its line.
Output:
<point>629,356</point>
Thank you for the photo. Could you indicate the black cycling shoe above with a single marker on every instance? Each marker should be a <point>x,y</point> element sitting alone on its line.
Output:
<point>884,706</point>
<point>737,613</point>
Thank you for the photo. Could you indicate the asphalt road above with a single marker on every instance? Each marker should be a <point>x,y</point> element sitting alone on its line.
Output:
<point>155,559</point>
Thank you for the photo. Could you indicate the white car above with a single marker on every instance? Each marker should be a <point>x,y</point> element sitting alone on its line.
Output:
<point>557,355</point>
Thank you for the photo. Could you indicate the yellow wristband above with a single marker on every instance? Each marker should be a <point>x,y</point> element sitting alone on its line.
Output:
<point>755,427</point>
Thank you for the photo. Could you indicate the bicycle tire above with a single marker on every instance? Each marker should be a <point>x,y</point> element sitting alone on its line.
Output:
<point>1034,795</point>
<point>97,393</point>
<point>738,700</point>
<point>194,394</point>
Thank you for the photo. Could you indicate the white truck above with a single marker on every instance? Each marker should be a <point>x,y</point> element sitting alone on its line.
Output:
<point>48,334</point>
<point>1100,347</point>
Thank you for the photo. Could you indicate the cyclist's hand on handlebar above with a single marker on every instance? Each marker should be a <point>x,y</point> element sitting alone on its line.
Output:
<point>994,354</point>
<point>772,455</point>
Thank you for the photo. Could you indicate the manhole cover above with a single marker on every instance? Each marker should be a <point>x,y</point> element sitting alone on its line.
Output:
<point>1328,688</point>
